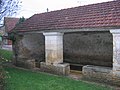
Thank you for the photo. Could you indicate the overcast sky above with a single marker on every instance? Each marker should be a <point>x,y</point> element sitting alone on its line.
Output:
<point>31,7</point>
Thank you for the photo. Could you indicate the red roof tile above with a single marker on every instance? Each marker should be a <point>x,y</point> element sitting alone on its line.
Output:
<point>105,14</point>
<point>10,23</point>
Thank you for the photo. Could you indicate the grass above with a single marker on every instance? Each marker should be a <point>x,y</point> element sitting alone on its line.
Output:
<point>6,55</point>
<point>2,78</point>
<point>26,80</point>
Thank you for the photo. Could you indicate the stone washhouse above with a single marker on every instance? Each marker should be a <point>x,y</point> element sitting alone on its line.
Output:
<point>85,36</point>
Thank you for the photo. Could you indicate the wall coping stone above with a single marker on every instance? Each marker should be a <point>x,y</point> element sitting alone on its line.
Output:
<point>53,34</point>
<point>98,68</point>
<point>115,31</point>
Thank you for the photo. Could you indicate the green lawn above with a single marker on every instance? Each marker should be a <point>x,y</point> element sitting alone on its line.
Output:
<point>27,80</point>
<point>6,55</point>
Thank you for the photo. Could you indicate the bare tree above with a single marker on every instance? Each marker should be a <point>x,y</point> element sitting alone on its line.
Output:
<point>9,8</point>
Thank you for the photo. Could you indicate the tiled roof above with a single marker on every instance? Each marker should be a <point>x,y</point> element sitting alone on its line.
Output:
<point>10,23</point>
<point>105,14</point>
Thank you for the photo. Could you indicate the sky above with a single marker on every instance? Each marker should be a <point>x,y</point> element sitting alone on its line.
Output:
<point>31,7</point>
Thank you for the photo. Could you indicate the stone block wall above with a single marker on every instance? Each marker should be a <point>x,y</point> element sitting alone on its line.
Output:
<point>25,63</point>
<point>97,73</point>
<point>100,74</point>
<point>88,48</point>
<point>28,47</point>
<point>58,69</point>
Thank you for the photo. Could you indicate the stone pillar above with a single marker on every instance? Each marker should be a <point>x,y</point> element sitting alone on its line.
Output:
<point>54,54</point>
<point>53,48</point>
<point>116,52</point>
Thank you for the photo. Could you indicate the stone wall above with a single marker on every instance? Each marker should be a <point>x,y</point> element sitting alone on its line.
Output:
<point>58,69</point>
<point>88,48</point>
<point>29,47</point>
<point>100,74</point>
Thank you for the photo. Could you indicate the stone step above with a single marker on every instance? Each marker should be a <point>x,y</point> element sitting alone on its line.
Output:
<point>75,74</point>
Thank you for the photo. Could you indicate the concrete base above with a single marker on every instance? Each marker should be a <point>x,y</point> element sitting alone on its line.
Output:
<point>100,74</point>
<point>58,69</point>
